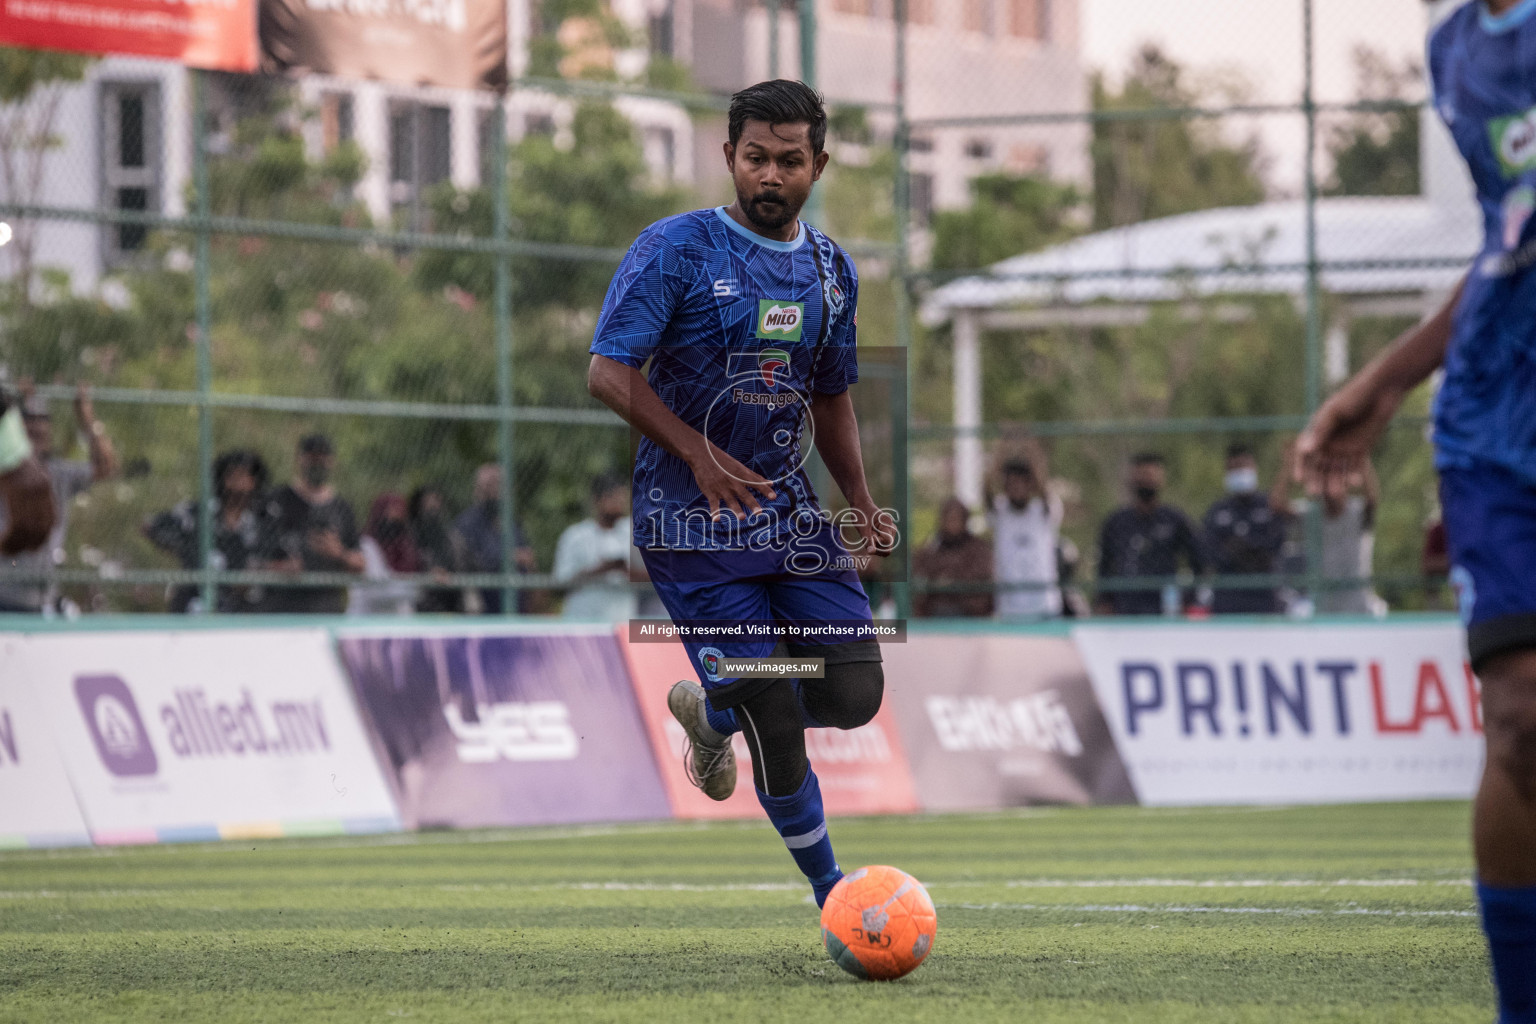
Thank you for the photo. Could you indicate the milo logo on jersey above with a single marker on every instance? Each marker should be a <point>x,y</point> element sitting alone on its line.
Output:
<point>1514,140</point>
<point>777,319</point>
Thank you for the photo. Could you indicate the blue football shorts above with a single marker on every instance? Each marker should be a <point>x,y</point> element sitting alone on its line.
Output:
<point>1490,527</point>
<point>763,588</point>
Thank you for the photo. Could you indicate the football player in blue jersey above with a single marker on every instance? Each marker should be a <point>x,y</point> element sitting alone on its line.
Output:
<point>746,317</point>
<point>1482,65</point>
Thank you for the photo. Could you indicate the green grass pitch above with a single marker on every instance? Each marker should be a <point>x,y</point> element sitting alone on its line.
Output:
<point>1337,914</point>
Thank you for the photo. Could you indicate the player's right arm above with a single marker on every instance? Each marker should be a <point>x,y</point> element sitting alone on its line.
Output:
<point>1332,451</point>
<point>725,482</point>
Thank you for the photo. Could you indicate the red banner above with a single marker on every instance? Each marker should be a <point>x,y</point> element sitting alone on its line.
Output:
<point>215,34</point>
<point>862,771</point>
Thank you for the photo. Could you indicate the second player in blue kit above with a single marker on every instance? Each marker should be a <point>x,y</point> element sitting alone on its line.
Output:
<point>746,319</point>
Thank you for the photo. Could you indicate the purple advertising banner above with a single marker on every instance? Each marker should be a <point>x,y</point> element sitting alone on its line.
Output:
<point>487,730</point>
<point>999,720</point>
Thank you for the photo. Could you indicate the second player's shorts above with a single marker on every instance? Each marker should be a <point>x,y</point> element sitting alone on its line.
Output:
<point>1490,527</point>
<point>756,587</point>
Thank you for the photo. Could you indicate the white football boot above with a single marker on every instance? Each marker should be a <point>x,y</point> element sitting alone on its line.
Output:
<point>709,762</point>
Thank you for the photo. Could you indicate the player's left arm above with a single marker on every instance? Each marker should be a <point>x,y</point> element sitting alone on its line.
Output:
<point>837,441</point>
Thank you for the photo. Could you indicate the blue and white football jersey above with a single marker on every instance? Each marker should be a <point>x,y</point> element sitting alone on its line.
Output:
<point>1483,71</point>
<point>740,330</point>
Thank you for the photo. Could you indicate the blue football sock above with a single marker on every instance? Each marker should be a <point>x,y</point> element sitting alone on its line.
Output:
<point>723,722</point>
<point>801,821</point>
<point>1509,919</point>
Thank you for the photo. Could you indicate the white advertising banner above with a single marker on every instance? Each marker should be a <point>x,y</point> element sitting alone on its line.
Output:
<point>1287,713</point>
<point>206,735</point>
<point>37,806</point>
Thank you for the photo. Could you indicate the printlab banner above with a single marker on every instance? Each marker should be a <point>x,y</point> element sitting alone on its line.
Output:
<point>1002,721</point>
<point>460,44</point>
<point>205,735</point>
<point>498,730</point>
<point>1289,714</point>
<point>215,34</point>
<point>861,771</point>
<point>37,806</point>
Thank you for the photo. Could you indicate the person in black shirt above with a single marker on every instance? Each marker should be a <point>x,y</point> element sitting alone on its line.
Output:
<point>1245,530</point>
<point>311,529</point>
<point>240,482</point>
<point>1145,538</point>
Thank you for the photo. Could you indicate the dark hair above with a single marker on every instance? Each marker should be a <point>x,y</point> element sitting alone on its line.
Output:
<point>605,482</point>
<point>1148,459</point>
<point>1239,450</point>
<point>240,458</point>
<point>780,102</point>
<point>316,444</point>
<point>1018,467</point>
<point>418,498</point>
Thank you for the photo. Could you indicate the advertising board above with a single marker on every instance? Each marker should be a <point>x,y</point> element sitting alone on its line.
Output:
<point>206,735</point>
<point>1317,713</point>
<point>216,34</point>
<point>37,805</point>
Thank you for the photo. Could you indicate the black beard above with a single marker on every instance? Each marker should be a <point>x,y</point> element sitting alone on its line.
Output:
<point>768,215</point>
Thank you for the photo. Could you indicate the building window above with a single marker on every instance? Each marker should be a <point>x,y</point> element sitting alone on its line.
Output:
<point>420,156</point>
<point>130,172</point>
<point>978,16</point>
<point>920,144</point>
<point>337,121</point>
<point>979,149</point>
<point>539,124</point>
<point>660,147</point>
<point>921,198</point>
<point>485,138</point>
<point>661,31</point>
<point>1029,19</point>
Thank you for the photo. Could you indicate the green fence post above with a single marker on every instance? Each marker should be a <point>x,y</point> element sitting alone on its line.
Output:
<point>1314,349</point>
<point>773,38</point>
<point>502,299</point>
<point>204,313</point>
<point>814,210</point>
<point>901,407</point>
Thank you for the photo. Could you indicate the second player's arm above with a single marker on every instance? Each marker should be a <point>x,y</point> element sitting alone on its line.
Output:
<point>725,482</point>
<point>1337,442</point>
<point>837,441</point>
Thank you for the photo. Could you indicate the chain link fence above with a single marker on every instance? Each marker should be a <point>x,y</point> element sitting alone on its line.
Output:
<point>1079,261</point>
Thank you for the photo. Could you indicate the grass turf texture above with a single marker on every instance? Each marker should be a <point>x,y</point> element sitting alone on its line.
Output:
<point>1338,914</point>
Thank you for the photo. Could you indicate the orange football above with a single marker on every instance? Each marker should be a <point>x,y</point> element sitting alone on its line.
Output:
<point>878,923</point>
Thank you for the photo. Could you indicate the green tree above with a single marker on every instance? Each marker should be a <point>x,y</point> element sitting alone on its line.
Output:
<point>1377,153</point>
<point>1008,215</point>
<point>1145,168</point>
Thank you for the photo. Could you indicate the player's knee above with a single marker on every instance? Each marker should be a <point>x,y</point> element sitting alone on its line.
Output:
<point>1509,710</point>
<point>849,696</point>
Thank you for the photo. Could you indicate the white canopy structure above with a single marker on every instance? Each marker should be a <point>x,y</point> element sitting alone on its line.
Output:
<point>1112,278</point>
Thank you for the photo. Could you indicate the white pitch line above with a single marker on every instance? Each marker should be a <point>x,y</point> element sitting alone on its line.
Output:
<point>1133,908</point>
<point>1226,883</point>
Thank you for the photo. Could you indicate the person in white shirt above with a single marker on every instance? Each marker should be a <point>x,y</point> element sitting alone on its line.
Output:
<point>1026,520</point>
<point>595,557</point>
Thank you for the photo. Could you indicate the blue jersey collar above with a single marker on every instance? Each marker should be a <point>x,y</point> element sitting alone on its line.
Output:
<point>1512,18</point>
<point>768,243</point>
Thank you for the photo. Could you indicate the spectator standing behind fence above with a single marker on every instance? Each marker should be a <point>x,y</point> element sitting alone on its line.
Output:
<point>439,547</point>
<point>1349,547</point>
<point>595,557</point>
<point>1146,538</point>
<point>26,500</point>
<point>311,528</point>
<point>67,478</point>
<point>956,557</point>
<point>480,527</point>
<point>388,550</point>
<point>1245,531</point>
<point>240,481</point>
<point>1026,523</point>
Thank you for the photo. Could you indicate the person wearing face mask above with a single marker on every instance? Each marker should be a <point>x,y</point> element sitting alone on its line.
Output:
<point>240,480</point>
<point>1145,538</point>
<point>1244,531</point>
<point>311,528</point>
<point>388,548</point>
<point>480,527</point>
